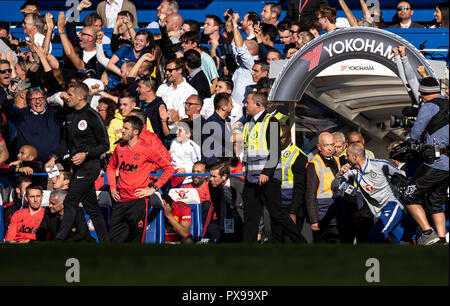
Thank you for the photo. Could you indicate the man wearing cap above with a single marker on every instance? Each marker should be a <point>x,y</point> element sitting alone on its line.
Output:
<point>427,193</point>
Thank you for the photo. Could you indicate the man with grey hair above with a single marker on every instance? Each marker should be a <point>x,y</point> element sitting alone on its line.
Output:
<point>33,27</point>
<point>165,9</point>
<point>51,221</point>
<point>36,125</point>
<point>339,143</point>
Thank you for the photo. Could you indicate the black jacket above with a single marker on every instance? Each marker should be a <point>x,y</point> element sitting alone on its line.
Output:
<point>201,84</point>
<point>308,13</point>
<point>51,222</point>
<point>84,131</point>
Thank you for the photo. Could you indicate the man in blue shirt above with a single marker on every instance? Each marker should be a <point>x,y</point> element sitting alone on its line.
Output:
<point>427,194</point>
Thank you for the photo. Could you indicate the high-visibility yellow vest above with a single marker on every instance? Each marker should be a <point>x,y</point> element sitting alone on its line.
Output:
<point>282,118</point>
<point>325,176</point>
<point>256,150</point>
<point>288,158</point>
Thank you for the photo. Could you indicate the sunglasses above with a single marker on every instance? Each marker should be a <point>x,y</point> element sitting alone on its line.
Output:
<point>403,8</point>
<point>3,71</point>
<point>171,69</point>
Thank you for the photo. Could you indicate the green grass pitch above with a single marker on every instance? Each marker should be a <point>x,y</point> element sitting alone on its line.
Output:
<point>223,264</point>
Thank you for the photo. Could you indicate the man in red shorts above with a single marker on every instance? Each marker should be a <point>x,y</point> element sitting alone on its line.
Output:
<point>25,222</point>
<point>135,159</point>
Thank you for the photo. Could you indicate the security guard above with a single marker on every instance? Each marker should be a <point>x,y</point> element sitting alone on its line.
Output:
<point>293,169</point>
<point>429,189</point>
<point>320,173</point>
<point>262,169</point>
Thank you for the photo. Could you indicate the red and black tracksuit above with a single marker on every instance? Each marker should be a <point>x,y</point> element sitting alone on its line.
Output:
<point>128,219</point>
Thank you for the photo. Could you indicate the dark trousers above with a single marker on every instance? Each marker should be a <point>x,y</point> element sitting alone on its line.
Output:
<point>268,195</point>
<point>82,190</point>
<point>128,221</point>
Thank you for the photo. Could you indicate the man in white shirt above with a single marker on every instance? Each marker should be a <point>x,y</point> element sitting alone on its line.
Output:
<point>109,9</point>
<point>176,90</point>
<point>224,85</point>
<point>245,54</point>
<point>33,27</point>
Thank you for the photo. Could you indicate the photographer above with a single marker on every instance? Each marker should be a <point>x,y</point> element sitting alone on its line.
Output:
<point>427,193</point>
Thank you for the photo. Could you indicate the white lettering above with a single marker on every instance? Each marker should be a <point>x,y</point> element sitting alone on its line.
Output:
<point>361,42</point>
<point>379,49</point>
<point>373,274</point>
<point>342,47</point>
<point>73,274</point>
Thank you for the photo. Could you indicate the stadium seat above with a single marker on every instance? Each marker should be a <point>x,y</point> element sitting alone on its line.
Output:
<point>2,224</point>
<point>190,196</point>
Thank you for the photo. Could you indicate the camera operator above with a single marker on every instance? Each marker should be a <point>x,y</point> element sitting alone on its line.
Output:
<point>427,192</point>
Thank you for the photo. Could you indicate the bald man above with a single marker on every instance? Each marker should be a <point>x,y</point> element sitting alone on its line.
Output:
<point>27,153</point>
<point>320,205</point>
<point>173,26</point>
<point>373,181</point>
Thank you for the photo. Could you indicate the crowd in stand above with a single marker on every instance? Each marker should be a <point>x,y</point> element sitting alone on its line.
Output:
<point>193,88</point>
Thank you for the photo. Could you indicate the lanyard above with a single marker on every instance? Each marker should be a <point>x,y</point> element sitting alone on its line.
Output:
<point>303,6</point>
<point>362,173</point>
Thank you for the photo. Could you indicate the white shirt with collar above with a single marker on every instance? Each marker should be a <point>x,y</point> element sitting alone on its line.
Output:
<point>242,77</point>
<point>112,8</point>
<point>174,98</point>
<point>208,109</point>
<point>256,117</point>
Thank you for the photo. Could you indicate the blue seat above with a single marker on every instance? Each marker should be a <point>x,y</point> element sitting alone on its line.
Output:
<point>196,221</point>
<point>155,232</point>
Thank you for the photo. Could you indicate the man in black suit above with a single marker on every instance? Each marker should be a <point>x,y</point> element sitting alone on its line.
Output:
<point>303,10</point>
<point>404,14</point>
<point>263,175</point>
<point>197,77</point>
<point>226,196</point>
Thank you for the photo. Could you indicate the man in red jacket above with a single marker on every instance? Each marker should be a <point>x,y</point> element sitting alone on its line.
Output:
<point>135,157</point>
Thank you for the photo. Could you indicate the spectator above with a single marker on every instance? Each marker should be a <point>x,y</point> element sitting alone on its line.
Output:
<point>248,22</point>
<point>123,32</point>
<point>269,34</point>
<point>218,124</point>
<point>244,53</point>
<point>190,25</point>
<point>25,222</point>
<point>224,85</point>
<point>127,103</point>
<point>109,9</point>
<point>314,29</point>
<point>270,13</point>
<point>293,165</point>
<point>190,40</point>
<point>327,18</point>
<point>262,168</point>
<point>441,14</point>
<point>260,70</point>
<point>31,7</point>
<point>357,137</point>
<point>273,55</point>
<point>143,43</point>
<point>165,9</point>
<point>321,206</point>
<point>303,10</point>
<point>4,153</point>
<point>404,14</point>
<point>176,90</point>
<point>184,151</point>
<point>373,178</point>
<point>133,187</point>
<point>53,215</point>
<point>20,186</point>
<point>33,27</point>
<point>196,77</point>
<point>211,29</point>
<point>96,21</point>
<point>106,109</point>
<point>86,140</point>
<point>284,35</point>
<point>304,38</point>
<point>177,220</point>
<point>226,195</point>
<point>173,24</point>
<point>150,104</point>
<point>37,125</point>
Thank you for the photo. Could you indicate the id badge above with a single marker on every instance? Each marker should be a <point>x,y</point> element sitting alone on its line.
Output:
<point>347,188</point>
<point>229,226</point>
